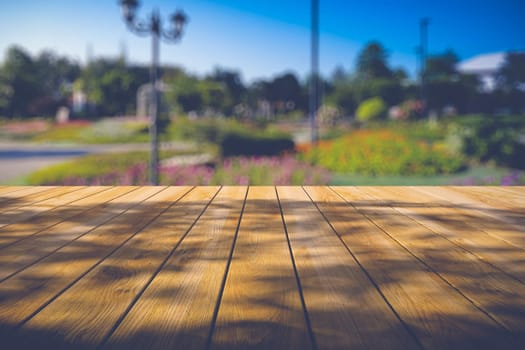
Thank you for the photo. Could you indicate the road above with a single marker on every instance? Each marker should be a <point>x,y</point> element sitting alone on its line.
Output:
<point>20,159</point>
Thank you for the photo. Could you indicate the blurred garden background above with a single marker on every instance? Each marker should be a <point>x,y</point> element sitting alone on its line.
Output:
<point>67,122</point>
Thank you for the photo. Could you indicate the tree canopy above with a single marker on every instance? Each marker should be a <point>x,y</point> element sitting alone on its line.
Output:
<point>37,85</point>
<point>372,62</point>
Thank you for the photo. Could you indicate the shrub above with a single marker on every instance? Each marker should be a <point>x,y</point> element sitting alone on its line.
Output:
<point>383,152</point>
<point>234,144</point>
<point>210,130</point>
<point>486,138</point>
<point>371,109</point>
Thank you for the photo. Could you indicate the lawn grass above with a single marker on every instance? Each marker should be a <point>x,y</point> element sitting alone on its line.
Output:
<point>101,132</point>
<point>93,165</point>
<point>474,175</point>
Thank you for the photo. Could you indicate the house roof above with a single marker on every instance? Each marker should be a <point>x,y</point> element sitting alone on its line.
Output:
<point>486,63</point>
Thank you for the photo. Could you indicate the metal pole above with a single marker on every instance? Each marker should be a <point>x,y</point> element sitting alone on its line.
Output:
<point>178,19</point>
<point>154,108</point>
<point>314,83</point>
<point>423,56</point>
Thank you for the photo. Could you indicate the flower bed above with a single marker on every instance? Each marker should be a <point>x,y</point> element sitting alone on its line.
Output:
<point>382,152</point>
<point>284,170</point>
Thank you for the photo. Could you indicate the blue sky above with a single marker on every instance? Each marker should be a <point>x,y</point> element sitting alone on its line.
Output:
<point>264,38</point>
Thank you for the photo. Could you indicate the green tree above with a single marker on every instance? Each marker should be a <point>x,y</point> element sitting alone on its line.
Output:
<point>511,76</point>
<point>20,85</point>
<point>284,89</point>
<point>445,86</point>
<point>284,92</point>
<point>55,76</point>
<point>374,77</point>
<point>343,96</point>
<point>110,86</point>
<point>35,85</point>
<point>184,92</point>
<point>441,66</point>
<point>192,94</point>
<point>232,81</point>
<point>372,62</point>
<point>511,81</point>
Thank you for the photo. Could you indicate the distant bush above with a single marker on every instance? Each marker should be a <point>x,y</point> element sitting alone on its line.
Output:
<point>107,130</point>
<point>422,130</point>
<point>371,109</point>
<point>383,152</point>
<point>211,130</point>
<point>491,138</point>
<point>233,137</point>
<point>264,144</point>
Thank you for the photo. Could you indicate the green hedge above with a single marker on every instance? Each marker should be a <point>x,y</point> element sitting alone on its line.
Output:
<point>234,144</point>
<point>492,138</point>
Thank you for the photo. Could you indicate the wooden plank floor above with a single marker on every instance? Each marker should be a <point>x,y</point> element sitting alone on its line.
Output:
<point>262,267</point>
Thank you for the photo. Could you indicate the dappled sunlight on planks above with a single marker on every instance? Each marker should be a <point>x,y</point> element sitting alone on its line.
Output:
<point>492,291</point>
<point>262,267</point>
<point>261,306</point>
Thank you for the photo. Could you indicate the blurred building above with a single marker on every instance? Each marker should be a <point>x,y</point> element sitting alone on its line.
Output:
<point>485,66</point>
<point>144,98</point>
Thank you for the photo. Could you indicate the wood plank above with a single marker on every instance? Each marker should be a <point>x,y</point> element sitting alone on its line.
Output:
<point>496,200</point>
<point>35,198</point>
<point>10,189</point>
<point>177,309</point>
<point>436,313</point>
<point>16,232</point>
<point>519,190</point>
<point>442,218</point>
<point>496,223</point>
<point>493,196</point>
<point>80,316</point>
<point>497,294</point>
<point>34,244</point>
<point>28,212</point>
<point>261,306</point>
<point>345,308</point>
<point>27,292</point>
<point>24,196</point>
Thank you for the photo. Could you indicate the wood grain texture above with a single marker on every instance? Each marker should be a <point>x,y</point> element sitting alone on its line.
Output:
<point>38,198</point>
<point>177,309</point>
<point>261,306</point>
<point>440,317</point>
<point>26,292</point>
<point>289,267</point>
<point>15,232</point>
<point>4,190</point>
<point>494,292</point>
<point>495,197</point>
<point>25,196</point>
<point>26,243</point>
<point>442,217</point>
<point>345,308</point>
<point>85,313</point>
<point>30,212</point>
<point>519,190</point>
<point>494,222</point>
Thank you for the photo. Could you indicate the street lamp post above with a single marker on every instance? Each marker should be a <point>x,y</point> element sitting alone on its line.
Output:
<point>154,28</point>
<point>423,51</point>
<point>314,61</point>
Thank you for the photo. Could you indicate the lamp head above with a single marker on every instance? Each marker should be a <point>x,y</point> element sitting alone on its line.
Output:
<point>179,19</point>
<point>128,9</point>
